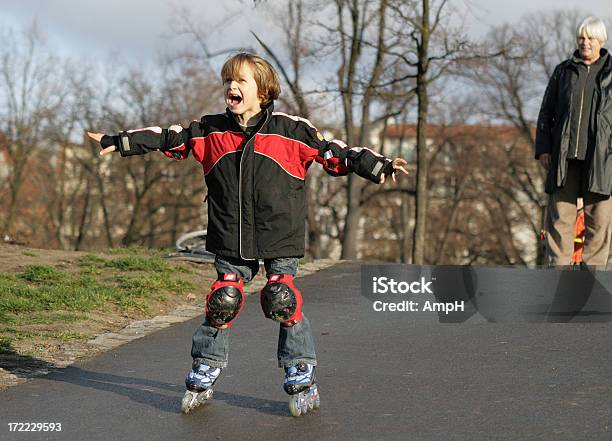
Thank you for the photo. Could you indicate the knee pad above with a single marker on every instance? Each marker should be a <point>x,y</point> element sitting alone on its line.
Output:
<point>281,301</point>
<point>225,301</point>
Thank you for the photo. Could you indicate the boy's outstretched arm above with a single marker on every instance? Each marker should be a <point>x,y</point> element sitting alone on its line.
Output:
<point>173,142</point>
<point>338,159</point>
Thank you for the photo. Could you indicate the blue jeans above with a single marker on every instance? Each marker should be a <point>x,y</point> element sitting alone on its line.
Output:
<point>295,343</point>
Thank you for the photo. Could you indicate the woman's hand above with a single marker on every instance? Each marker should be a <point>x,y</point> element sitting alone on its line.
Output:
<point>545,160</point>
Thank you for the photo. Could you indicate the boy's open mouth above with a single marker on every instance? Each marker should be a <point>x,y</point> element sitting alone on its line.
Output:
<point>233,99</point>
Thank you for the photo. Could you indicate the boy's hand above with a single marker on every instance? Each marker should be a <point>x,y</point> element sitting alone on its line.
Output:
<point>397,164</point>
<point>98,138</point>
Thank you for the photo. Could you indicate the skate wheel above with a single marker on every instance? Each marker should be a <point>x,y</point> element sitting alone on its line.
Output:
<point>187,403</point>
<point>192,400</point>
<point>314,402</point>
<point>294,406</point>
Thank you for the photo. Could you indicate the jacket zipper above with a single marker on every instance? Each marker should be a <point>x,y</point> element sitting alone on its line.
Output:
<point>240,201</point>
<point>580,114</point>
<point>252,138</point>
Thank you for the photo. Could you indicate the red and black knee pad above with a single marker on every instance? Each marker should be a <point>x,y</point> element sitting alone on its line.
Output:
<point>281,301</point>
<point>225,300</point>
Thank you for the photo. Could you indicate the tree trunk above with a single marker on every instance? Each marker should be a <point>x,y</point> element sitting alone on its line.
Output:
<point>15,183</point>
<point>84,217</point>
<point>418,242</point>
<point>353,214</point>
<point>350,237</point>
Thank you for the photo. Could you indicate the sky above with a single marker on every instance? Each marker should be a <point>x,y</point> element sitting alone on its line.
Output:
<point>135,32</point>
<point>138,29</point>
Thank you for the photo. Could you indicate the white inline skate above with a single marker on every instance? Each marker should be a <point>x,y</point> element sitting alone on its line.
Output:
<point>199,384</point>
<point>300,385</point>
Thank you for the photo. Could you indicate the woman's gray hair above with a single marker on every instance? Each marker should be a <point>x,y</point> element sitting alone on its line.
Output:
<point>592,28</point>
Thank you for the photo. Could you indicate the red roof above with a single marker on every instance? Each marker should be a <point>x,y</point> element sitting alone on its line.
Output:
<point>440,132</point>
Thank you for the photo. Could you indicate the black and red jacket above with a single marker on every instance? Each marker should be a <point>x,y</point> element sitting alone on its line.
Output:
<point>256,182</point>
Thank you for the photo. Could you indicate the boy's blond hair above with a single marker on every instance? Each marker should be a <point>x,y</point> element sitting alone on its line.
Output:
<point>268,85</point>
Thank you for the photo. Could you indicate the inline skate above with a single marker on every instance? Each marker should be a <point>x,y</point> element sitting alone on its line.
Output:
<point>302,389</point>
<point>199,384</point>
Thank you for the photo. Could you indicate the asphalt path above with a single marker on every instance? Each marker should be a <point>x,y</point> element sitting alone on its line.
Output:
<point>382,376</point>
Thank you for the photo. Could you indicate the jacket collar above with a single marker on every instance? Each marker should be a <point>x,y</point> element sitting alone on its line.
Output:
<point>257,120</point>
<point>603,57</point>
<point>608,63</point>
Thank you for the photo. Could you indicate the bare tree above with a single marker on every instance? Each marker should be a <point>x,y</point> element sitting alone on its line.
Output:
<point>512,86</point>
<point>432,47</point>
<point>32,92</point>
<point>160,193</point>
<point>361,36</point>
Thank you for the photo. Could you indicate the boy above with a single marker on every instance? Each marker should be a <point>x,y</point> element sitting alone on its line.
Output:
<point>255,162</point>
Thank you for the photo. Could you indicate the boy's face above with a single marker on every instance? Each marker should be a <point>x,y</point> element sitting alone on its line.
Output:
<point>241,93</point>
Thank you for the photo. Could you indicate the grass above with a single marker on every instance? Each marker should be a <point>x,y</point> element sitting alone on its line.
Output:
<point>44,296</point>
<point>5,346</point>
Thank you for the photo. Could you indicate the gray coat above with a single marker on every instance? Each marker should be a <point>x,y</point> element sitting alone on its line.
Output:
<point>553,129</point>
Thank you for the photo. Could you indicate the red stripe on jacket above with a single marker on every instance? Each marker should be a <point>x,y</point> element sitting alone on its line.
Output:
<point>293,156</point>
<point>211,148</point>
